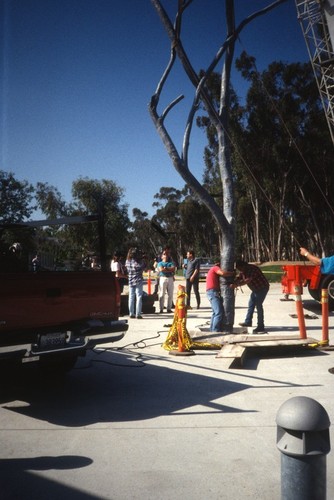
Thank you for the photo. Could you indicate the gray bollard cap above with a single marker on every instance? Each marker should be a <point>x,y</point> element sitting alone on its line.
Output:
<point>302,428</point>
<point>302,414</point>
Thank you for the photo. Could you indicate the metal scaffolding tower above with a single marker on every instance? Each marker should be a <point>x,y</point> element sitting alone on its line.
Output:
<point>316,18</point>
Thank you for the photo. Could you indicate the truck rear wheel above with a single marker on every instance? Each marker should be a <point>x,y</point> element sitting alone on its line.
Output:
<point>328,282</point>
<point>315,293</point>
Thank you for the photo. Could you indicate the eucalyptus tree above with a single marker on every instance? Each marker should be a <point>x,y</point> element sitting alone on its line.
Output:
<point>186,221</point>
<point>168,217</point>
<point>16,205</point>
<point>289,158</point>
<point>224,214</point>
<point>281,134</point>
<point>15,198</point>
<point>104,198</point>
<point>89,197</point>
<point>50,201</point>
<point>146,234</point>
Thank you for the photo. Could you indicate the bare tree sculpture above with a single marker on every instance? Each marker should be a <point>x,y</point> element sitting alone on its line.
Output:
<point>225,214</point>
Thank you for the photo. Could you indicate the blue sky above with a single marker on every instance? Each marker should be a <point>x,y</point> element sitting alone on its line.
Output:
<point>77,76</point>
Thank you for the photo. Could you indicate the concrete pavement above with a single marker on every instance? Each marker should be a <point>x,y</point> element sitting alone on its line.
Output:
<point>224,423</point>
<point>134,422</point>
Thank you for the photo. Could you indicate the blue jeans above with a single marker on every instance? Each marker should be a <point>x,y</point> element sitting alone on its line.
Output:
<point>218,313</point>
<point>256,300</point>
<point>136,292</point>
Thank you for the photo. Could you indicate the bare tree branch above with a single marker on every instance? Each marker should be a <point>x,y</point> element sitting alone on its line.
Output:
<point>224,216</point>
<point>170,106</point>
<point>217,118</point>
<point>177,45</point>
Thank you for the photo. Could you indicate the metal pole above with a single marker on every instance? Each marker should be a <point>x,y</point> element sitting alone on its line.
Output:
<point>303,478</point>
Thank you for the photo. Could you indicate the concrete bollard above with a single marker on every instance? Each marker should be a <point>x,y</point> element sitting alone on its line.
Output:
<point>303,439</point>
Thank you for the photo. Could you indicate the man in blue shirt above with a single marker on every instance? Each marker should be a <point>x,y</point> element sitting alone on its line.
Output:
<point>326,263</point>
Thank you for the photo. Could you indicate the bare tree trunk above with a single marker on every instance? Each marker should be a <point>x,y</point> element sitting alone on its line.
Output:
<point>255,204</point>
<point>314,219</point>
<point>225,167</point>
<point>224,216</point>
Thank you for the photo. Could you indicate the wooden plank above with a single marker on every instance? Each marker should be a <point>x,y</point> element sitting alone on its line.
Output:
<point>277,342</point>
<point>210,337</point>
<point>244,340</point>
<point>238,350</point>
<point>231,351</point>
<point>236,339</point>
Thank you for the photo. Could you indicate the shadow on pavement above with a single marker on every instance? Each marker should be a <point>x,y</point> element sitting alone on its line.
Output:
<point>19,478</point>
<point>113,387</point>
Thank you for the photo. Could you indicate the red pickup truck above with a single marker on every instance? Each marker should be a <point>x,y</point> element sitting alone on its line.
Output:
<point>55,316</point>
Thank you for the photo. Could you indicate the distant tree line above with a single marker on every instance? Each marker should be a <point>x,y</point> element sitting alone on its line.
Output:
<point>283,169</point>
<point>282,162</point>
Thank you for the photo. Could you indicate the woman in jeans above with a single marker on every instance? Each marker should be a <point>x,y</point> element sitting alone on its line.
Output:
<point>135,266</point>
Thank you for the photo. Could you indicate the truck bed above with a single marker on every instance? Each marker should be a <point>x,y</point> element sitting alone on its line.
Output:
<point>49,312</point>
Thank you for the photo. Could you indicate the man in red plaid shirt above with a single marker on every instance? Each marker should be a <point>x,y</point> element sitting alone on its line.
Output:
<point>253,277</point>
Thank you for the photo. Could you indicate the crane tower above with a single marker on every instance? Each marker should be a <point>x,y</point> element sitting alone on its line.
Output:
<point>316,18</point>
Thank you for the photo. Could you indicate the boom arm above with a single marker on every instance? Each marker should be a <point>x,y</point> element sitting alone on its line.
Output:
<point>316,18</point>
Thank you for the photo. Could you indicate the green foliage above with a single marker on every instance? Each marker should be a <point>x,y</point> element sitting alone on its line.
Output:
<point>15,198</point>
<point>272,272</point>
<point>144,236</point>
<point>186,221</point>
<point>282,162</point>
<point>50,201</point>
<point>103,197</point>
<point>90,197</point>
<point>15,206</point>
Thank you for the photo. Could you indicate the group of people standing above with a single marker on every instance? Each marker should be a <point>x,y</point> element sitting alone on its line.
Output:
<point>166,274</point>
<point>131,272</point>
